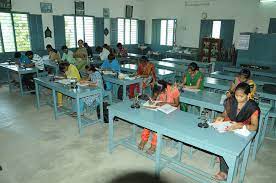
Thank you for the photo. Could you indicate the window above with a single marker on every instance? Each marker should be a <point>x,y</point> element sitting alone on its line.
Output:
<point>216,29</point>
<point>167,35</point>
<point>127,31</point>
<point>15,32</point>
<point>79,27</point>
<point>22,32</point>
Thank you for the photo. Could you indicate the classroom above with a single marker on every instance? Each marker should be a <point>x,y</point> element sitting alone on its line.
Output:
<point>137,91</point>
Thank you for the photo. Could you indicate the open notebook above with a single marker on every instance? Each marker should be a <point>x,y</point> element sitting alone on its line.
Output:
<point>165,108</point>
<point>220,127</point>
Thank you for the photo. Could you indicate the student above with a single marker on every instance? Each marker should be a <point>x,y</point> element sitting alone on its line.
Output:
<point>194,78</point>
<point>81,56</point>
<point>113,65</point>
<point>168,94</point>
<point>89,50</point>
<point>67,55</point>
<point>122,52</point>
<point>53,54</point>
<point>244,76</point>
<point>103,53</point>
<point>242,111</point>
<point>36,60</point>
<point>146,70</point>
<point>22,59</point>
<point>70,71</point>
<point>95,80</point>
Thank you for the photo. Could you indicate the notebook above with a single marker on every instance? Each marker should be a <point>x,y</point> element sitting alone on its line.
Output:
<point>167,108</point>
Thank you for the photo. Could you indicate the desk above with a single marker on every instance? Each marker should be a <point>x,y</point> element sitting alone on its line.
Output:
<point>209,66</point>
<point>224,85</point>
<point>259,80</point>
<point>255,72</point>
<point>51,64</point>
<point>20,71</point>
<point>134,55</point>
<point>180,54</point>
<point>77,94</point>
<point>181,68</point>
<point>210,100</point>
<point>162,74</point>
<point>182,127</point>
<point>123,82</point>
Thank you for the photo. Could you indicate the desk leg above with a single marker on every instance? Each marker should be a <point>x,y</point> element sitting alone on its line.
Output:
<point>20,84</point>
<point>180,150</point>
<point>9,79</point>
<point>79,115</point>
<point>134,134</point>
<point>158,154</point>
<point>244,162</point>
<point>231,162</point>
<point>101,107</point>
<point>111,132</point>
<point>37,92</point>
<point>124,92</point>
<point>263,131</point>
<point>257,138</point>
<point>55,103</point>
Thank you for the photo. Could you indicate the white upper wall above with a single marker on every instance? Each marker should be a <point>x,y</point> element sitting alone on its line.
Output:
<point>92,7</point>
<point>248,15</point>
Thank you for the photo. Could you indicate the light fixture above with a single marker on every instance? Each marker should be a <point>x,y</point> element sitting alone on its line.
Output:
<point>266,1</point>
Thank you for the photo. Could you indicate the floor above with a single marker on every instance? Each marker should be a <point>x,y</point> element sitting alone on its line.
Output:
<point>36,148</point>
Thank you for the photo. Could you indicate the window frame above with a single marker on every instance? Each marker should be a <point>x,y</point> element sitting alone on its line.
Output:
<point>75,27</point>
<point>14,36</point>
<point>137,30</point>
<point>174,31</point>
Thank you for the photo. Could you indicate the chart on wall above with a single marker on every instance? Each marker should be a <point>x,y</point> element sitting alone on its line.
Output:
<point>243,43</point>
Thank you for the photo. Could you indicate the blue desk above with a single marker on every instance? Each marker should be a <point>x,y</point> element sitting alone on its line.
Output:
<point>210,100</point>
<point>123,82</point>
<point>260,80</point>
<point>77,94</point>
<point>224,85</point>
<point>208,66</point>
<point>162,74</point>
<point>20,71</point>
<point>182,127</point>
<point>178,68</point>
<point>255,72</point>
<point>51,64</point>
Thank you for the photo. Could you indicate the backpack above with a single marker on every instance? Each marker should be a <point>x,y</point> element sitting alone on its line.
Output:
<point>105,112</point>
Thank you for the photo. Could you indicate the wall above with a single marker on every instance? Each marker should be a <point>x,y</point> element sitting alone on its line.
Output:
<point>248,14</point>
<point>92,7</point>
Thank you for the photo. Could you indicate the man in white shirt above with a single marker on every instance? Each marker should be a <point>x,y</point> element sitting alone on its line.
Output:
<point>36,60</point>
<point>103,53</point>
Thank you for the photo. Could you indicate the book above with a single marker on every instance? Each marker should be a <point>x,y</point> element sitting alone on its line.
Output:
<point>167,108</point>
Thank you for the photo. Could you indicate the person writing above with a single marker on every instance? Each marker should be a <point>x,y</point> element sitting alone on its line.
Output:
<point>241,111</point>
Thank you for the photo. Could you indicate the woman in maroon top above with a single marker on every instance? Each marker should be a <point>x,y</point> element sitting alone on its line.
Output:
<point>241,111</point>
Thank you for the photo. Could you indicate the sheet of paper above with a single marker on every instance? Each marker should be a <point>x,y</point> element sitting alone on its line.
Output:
<point>167,108</point>
<point>243,132</point>
<point>63,81</point>
<point>191,90</point>
<point>220,127</point>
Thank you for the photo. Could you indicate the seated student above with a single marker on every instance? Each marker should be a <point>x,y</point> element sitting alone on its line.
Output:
<point>122,52</point>
<point>194,78</point>
<point>94,80</point>
<point>244,76</point>
<point>81,56</point>
<point>36,60</point>
<point>53,54</point>
<point>70,71</point>
<point>89,50</point>
<point>242,111</point>
<point>67,55</point>
<point>22,59</point>
<point>103,52</point>
<point>168,94</point>
<point>113,65</point>
<point>146,70</point>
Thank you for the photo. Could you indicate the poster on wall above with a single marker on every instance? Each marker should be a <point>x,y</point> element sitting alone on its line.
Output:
<point>243,42</point>
<point>5,5</point>
<point>46,7</point>
<point>79,7</point>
